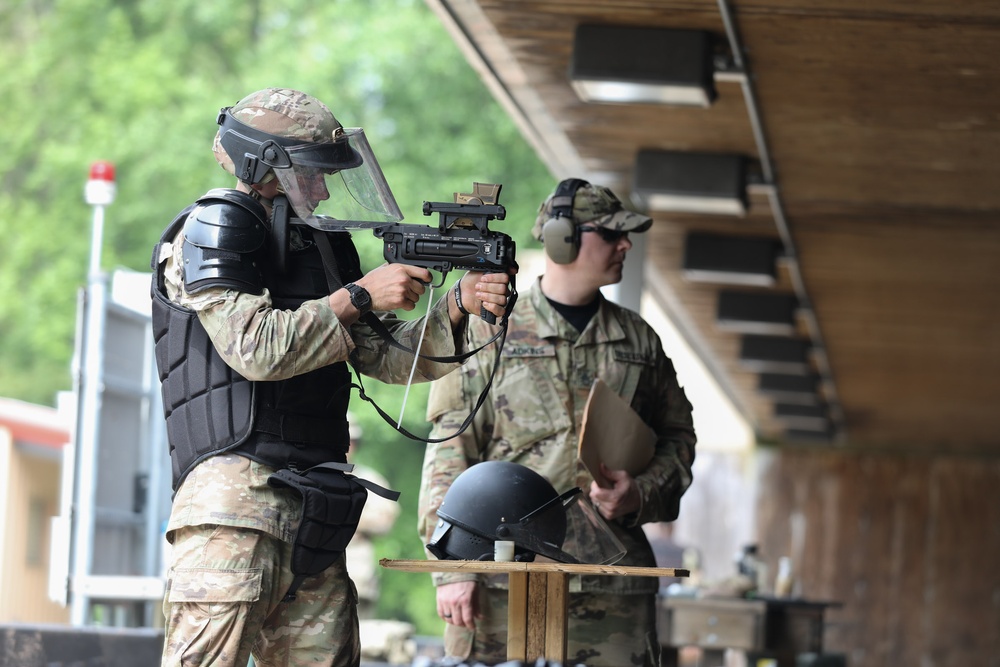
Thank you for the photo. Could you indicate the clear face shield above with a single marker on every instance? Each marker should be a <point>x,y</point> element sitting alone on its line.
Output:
<point>321,193</point>
<point>566,530</point>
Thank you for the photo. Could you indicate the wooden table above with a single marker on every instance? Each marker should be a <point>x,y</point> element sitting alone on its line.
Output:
<point>537,597</point>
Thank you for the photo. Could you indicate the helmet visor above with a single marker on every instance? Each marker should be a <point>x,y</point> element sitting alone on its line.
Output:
<point>568,531</point>
<point>322,190</point>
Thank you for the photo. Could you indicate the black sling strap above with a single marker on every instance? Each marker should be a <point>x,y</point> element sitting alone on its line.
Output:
<point>372,320</point>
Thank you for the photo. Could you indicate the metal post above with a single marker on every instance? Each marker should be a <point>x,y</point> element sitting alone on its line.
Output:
<point>100,191</point>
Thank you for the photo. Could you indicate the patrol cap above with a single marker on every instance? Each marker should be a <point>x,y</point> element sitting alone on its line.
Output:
<point>598,206</point>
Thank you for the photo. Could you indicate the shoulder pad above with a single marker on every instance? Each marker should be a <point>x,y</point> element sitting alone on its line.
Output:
<point>222,236</point>
<point>227,220</point>
<point>236,197</point>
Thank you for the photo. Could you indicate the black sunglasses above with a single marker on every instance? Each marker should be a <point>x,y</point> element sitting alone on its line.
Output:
<point>608,235</point>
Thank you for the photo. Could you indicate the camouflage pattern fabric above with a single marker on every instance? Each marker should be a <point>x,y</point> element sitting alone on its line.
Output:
<point>601,631</point>
<point>231,490</point>
<point>533,414</point>
<point>598,206</point>
<point>223,603</point>
<point>535,407</point>
<point>283,112</point>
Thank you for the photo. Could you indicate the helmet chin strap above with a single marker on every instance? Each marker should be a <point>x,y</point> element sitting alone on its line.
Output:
<point>254,191</point>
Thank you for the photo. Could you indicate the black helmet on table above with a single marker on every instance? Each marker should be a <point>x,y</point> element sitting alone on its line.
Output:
<point>498,500</point>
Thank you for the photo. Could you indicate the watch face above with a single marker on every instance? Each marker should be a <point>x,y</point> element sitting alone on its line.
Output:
<point>360,297</point>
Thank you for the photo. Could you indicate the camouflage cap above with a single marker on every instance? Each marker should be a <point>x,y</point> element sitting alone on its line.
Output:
<point>282,112</point>
<point>596,205</point>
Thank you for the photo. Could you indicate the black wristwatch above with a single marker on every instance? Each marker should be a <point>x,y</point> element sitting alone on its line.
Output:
<point>360,298</point>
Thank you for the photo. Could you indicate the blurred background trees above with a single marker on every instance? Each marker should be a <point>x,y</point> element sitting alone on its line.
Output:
<point>139,83</point>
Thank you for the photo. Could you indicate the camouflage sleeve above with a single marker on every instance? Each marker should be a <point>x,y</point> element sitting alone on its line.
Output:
<point>376,357</point>
<point>255,339</point>
<point>451,400</point>
<point>668,476</point>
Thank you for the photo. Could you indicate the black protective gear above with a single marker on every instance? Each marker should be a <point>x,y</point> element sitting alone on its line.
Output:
<point>499,500</point>
<point>210,408</point>
<point>332,501</point>
<point>223,236</point>
<point>325,170</point>
<point>259,151</point>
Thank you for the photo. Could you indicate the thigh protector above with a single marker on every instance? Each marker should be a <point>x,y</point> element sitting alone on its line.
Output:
<point>332,501</point>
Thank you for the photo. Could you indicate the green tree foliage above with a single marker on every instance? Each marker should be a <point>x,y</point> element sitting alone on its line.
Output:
<point>139,83</point>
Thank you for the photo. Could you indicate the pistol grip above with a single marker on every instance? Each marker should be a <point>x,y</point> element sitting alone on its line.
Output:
<point>487,315</point>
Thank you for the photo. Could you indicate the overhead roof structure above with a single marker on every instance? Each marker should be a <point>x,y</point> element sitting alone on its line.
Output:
<point>870,132</point>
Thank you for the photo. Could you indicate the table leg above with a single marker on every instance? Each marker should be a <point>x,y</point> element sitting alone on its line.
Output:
<point>556,625</point>
<point>537,606</point>
<point>537,623</point>
<point>517,616</point>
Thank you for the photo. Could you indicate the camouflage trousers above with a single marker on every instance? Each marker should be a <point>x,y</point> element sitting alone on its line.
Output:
<point>223,602</point>
<point>604,630</point>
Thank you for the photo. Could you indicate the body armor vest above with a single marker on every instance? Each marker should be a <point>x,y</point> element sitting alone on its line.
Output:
<point>210,408</point>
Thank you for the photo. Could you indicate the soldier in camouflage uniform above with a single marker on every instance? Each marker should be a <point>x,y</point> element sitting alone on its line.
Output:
<point>564,334</point>
<point>253,332</point>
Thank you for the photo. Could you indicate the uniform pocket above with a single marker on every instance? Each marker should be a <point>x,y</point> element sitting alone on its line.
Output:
<point>211,585</point>
<point>527,405</point>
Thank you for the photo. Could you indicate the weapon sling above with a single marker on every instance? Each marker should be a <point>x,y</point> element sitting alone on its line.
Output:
<point>372,320</point>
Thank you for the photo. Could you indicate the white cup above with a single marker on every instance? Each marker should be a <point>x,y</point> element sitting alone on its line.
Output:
<point>503,551</point>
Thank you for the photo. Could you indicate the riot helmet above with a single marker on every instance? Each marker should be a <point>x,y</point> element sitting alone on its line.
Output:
<point>327,171</point>
<point>500,500</point>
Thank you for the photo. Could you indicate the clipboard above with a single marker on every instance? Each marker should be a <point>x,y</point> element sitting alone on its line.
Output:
<point>614,434</point>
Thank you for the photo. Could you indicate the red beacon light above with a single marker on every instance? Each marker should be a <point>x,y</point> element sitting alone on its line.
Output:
<point>100,190</point>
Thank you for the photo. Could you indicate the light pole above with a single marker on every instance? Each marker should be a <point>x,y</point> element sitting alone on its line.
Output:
<point>99,192</point>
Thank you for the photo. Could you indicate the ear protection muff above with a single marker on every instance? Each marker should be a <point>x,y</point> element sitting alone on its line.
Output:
<point>560,235</point>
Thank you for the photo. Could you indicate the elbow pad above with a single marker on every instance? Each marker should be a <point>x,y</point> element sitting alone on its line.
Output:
<point>223,238</point>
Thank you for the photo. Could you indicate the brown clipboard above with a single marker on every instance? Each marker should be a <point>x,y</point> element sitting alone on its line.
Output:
<point>612,433</point>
